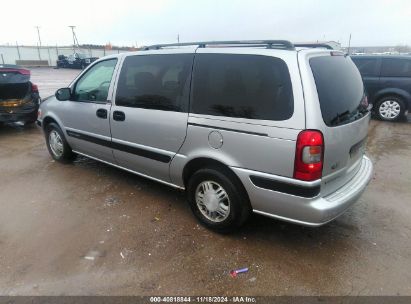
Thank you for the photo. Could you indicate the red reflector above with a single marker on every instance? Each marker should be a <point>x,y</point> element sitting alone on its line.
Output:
<point>309,155</point>
<point>34,88</point>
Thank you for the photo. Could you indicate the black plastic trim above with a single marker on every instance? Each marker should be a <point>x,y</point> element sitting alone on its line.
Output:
<point>121,147</point>
<point>270,184</point>
<point>227,129</point>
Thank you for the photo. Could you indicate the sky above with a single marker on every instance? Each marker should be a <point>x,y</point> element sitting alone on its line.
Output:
<point>138,22</point>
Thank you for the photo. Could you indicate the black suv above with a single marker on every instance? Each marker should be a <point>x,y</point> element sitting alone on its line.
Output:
<point>387,80</point>
<point>75,61</point>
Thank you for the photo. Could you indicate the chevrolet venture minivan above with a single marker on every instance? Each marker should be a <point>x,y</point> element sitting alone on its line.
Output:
<point>243,126</point>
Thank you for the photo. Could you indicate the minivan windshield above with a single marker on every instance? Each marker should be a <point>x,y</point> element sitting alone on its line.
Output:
<point>340,89</point>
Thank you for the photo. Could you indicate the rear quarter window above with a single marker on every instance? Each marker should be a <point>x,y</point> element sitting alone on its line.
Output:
<point>243,86</point>
<point>367,66</point>
<point>396,67</point>
<point>340,88</point>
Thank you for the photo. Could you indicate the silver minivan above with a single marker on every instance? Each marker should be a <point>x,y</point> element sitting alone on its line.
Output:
<point>243,126</point>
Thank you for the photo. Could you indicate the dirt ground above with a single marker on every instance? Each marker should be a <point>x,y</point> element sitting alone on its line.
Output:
<point>90,229</point>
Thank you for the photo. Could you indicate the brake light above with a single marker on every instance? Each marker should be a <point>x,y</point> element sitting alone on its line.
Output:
<point>309,155</point>
<point>364,102</point>
<point>34,88</point>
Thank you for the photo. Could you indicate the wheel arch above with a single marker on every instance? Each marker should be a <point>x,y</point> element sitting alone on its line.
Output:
<point>198,163</point>
<point>402,94</point>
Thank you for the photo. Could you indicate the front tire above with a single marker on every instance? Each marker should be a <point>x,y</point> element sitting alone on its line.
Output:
<point>57,145</point>
<point>390,108</point>
<point>218,199</point>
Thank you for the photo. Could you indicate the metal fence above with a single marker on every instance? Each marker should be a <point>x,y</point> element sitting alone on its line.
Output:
<point>10,54</point>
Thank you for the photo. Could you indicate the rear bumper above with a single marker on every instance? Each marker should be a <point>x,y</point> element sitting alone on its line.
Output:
<point>308,211</point>
<point>19,114</point>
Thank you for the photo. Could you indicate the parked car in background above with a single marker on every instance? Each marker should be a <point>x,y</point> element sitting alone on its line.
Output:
<point>246,126</point>
<point>387,80</point>
<point>19,98</point>
<point>75,61</point>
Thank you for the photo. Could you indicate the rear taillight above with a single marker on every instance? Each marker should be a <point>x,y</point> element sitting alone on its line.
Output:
<point>309,155</point>
<point>34,88</point>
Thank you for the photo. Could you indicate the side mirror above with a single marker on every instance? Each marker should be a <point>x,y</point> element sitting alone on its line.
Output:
<point>63,94</point>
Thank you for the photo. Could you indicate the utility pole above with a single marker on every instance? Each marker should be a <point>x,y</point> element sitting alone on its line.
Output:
<point>349,45</point>
<point>38,34</point>
<point>178,38</point>
<point>75,41</point>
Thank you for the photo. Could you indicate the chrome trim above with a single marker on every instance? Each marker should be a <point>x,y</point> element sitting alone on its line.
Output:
<point>131,171</point>
<point>282,179</point>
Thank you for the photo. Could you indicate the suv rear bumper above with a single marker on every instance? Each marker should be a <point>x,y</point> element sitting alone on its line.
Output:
<point>308,211</point>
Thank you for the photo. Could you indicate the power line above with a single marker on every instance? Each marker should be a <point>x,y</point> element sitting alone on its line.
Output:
<point>75,41</point>
<point>38,33</point>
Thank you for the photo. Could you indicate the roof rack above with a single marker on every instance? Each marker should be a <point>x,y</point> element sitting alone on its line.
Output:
<point>314,45</point>
<point>274,44</point>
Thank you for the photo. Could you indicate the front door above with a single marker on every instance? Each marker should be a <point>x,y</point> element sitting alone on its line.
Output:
<point>149,117</point>
<point>85,116</point>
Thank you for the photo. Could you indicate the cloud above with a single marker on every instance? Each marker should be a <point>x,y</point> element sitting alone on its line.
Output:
<point>127,22</point>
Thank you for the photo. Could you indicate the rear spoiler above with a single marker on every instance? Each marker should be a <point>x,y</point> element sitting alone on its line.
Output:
<point>11,70</point>
<point>314,45</point>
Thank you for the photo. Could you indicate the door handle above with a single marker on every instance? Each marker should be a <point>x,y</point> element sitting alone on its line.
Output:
<point>102,113</point>
<point>119,116</point>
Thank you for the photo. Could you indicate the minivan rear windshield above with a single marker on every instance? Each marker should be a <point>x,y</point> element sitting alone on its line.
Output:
<point>340,89</point>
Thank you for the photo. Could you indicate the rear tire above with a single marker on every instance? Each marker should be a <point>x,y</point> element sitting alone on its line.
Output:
<point>57,145</point>
<point>218,199</point>
<point>390,108</point>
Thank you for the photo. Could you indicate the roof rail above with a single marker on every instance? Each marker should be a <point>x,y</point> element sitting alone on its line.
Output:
<point>275,44</point>
<point>314,45</point>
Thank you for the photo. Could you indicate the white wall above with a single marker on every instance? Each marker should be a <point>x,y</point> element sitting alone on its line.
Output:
<point>10,53</point>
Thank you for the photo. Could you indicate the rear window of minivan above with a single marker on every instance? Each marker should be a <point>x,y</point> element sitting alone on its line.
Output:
<point>340,89</point>
<point>243,86</point>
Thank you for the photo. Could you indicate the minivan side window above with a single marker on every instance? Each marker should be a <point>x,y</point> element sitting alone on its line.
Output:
<point>159,82</point>
<point>94,84</point>
<point>367,66</point>
<point>243,86</point>
<point>396,67</point>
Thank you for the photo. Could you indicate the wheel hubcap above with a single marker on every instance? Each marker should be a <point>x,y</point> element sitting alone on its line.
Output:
<point>212,201</point>
<point>390,109</point>
<point>56,143</point>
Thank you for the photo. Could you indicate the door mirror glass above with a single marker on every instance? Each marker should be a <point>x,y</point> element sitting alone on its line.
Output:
<point>63,94</point>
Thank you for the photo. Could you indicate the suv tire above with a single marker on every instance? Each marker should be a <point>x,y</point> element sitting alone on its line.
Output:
<point>390,108</point>
<point>57,145</point>
<point>218,200</point>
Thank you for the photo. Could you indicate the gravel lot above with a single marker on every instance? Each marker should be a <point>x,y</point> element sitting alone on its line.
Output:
<point>90,229</point>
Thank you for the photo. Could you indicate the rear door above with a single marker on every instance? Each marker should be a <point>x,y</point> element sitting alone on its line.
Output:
<point>85,116</point>
<point>149,117</point>
<point>396,73</point>
<point>335,105</point>
<point>369,68</point>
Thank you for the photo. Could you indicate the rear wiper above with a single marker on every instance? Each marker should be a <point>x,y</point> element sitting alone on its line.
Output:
<point>338,117</point>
